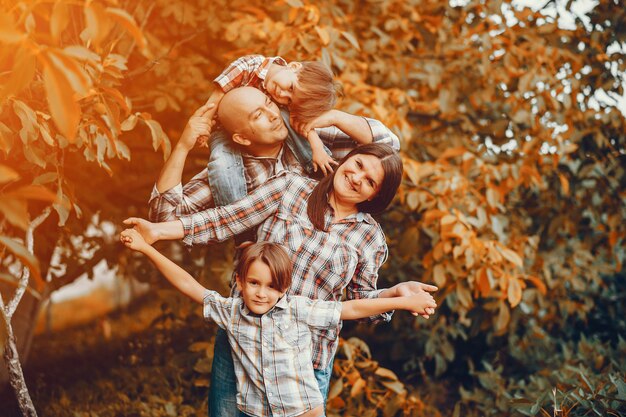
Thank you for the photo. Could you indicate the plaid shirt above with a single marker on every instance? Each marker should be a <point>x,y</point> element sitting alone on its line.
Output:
<point>196,195</point>
<point>249,70</point>
<point>272,352</point>
<point>346,256</point>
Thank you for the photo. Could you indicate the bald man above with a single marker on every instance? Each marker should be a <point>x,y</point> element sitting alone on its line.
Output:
<point>260,136</point>
<point>261,133</point>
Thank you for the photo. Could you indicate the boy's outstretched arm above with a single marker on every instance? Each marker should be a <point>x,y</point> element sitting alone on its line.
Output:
<point>177,276</point>
<point>368,307</point>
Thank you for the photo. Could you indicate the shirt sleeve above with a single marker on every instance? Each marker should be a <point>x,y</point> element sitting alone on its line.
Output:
<point>340,143</point>
<point>238,73</point>
<point>363,283</point>
<point>318,314</point>
<point>221,223</point>
<point>218,309</point>
<point>180,201</point>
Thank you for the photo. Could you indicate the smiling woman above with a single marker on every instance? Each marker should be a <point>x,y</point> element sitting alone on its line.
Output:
<point>332,240</point>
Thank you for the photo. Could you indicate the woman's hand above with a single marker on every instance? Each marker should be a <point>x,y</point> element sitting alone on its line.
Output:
<point>133,240</point>
<point>421,302</point>
<point>146,230</point>
<point>409,288</point>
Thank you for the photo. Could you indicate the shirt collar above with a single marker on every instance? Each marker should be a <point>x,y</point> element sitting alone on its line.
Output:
<point>357,217</point>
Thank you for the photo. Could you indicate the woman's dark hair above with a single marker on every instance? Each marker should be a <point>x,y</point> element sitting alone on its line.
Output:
<point>392,167</point>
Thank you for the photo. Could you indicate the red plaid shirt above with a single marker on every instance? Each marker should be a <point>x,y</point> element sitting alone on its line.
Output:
<point>196,194</point>
<point>346,256</point>
<point>249,70</point>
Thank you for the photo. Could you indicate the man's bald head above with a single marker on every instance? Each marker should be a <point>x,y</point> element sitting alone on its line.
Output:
<point>252,119</point>
<point>234,107</point>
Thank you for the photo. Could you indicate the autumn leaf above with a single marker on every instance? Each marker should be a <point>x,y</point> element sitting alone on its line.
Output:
<point>62,103</point>
<point>23,255</point>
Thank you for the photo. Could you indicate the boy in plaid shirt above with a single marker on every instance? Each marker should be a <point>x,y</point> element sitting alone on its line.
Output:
<point>270,332</point>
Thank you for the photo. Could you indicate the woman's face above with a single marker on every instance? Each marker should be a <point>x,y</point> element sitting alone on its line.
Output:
<point>358,179</point>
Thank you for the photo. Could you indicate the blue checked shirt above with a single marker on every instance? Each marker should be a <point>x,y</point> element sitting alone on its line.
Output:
<point>272,352</point>
<point>345,256</point>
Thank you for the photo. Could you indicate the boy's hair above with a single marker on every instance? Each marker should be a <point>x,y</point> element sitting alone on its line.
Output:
<point>316,93</point>
<point>271,254</point>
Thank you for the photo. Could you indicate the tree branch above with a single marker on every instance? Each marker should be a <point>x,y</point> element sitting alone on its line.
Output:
<point>21,289</point>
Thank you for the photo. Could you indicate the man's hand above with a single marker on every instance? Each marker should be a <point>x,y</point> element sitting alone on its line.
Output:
<point>409,288</point>
<point>198,128</point>
<point>146,230</point>
<point>326,119</point>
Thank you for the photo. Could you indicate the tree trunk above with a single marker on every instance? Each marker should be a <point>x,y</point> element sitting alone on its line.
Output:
<point>16,376</point>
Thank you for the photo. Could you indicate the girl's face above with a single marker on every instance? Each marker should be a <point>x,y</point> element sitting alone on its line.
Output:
<point>257,288</point>
<point>358,179</point>
<point>282,84</point>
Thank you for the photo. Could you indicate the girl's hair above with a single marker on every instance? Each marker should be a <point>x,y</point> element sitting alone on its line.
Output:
<point>271,254</point>
<point>316,93</point>
<point>392,167</point>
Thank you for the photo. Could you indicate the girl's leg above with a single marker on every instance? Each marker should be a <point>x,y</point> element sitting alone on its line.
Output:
<point>225,170</point>
<point>223,392</point>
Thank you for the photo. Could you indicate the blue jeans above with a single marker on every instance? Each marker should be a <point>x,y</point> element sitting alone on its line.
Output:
<point>223,392</point>
<point>225,168</point>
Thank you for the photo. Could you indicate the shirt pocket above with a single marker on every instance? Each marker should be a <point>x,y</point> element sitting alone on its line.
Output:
<point>336,274</point>
<point>287,331</point>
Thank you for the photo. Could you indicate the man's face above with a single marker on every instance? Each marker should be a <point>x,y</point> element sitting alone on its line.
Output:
<point>257,290</point>
<point>261,123</point>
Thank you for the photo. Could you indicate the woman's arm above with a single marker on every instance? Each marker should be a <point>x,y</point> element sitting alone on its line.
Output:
<point>219,223</point>
<point>360,309</point>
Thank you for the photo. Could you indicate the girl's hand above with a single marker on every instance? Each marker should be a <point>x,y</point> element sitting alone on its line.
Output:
<point>321,160</point>
<point>326,119</point>
<point>198,128</point>
<point>133,240</point>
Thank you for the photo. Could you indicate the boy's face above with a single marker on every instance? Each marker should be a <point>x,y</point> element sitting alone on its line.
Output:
<point>257,290</point>
<point>282,84</point>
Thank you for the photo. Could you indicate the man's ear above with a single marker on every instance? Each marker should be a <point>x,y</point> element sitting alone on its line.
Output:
<point>295,65</point>
<point>241,139</point>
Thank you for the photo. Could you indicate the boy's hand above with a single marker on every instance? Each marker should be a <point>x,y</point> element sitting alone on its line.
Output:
<point>144,228</point>
<point>198,128</point>
<point>323,161</point>
<point>133,240</point>
<point>421,302</point>
<point>409,288</point>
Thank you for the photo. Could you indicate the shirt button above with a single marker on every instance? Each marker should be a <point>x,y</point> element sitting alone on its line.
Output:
<point>269,394</point>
